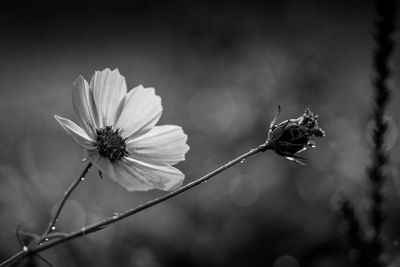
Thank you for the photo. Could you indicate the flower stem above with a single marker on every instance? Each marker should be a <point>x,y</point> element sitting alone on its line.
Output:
<point>23,253</point>
<point>67,193</point>
<point>117,217</point>
<point>14,259</point>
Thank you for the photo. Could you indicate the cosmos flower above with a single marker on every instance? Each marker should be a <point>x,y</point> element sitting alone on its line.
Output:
<point>117,130</point>
<point>293,136</point>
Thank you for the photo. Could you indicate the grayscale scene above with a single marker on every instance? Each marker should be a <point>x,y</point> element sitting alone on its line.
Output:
<point>200,133</point>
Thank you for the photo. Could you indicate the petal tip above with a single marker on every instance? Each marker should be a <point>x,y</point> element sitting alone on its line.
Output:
<point>79,80</point>
<point>186,149</point>
<point>58,118</point>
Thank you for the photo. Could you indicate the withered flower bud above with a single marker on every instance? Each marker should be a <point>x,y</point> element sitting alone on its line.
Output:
<point>293,136</point>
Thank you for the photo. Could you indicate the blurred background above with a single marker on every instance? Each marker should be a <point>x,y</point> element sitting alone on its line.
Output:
<point>221,69</point>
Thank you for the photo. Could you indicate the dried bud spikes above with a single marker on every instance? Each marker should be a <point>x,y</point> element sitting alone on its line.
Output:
<point>309,121</point>
<point>293,136</point>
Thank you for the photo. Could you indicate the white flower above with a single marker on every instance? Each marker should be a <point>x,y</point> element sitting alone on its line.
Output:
<point>117,129</point>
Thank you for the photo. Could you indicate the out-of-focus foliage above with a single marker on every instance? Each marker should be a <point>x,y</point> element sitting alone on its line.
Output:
<point>221,70</point>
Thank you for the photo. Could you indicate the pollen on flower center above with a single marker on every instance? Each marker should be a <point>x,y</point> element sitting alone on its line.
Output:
<point>110,144</point>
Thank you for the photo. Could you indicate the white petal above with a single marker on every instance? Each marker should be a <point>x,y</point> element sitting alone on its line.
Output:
<point>76,132</point>
<point>164,144</point>
<point>109,89</point>
<point>161,176</point>
<point>102,163</point>
<point>120,172</point>
<point>141,112</point>
<point>125,176</point>
<point>84,106</point>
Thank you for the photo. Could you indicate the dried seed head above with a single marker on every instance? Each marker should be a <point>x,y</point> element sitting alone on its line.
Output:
<point>293,136</point>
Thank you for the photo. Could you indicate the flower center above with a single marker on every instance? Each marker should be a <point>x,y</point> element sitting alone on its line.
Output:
<point>110,144</point>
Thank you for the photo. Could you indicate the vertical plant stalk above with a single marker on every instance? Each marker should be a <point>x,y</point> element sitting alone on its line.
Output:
<point>384,28</point>
<point>355,233</point>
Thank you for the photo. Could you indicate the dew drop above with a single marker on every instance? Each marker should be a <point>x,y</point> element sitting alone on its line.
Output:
<point>115,215</point>
<point>25,248</point>
<point>46,239</point>
<point>83,179</point>
<point>242,161</point>
<point>53,228</point>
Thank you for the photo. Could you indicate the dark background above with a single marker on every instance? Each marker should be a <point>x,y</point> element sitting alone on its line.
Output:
<point>221,69</point>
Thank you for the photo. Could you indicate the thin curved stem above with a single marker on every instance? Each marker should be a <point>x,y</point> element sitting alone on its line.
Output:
<point>14,259</point>
<point>117,217</point>
<point>23,253</point>
<point>67,193</point>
